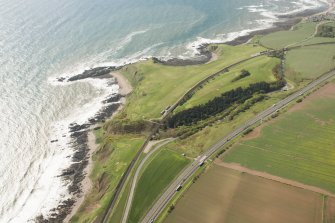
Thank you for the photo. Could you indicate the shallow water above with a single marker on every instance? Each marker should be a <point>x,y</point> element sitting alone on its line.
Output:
<point>41,40</point>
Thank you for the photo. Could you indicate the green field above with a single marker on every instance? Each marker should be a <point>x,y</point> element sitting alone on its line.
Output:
<point>260,69</point>
<point>159,172</point>
<point>222,195</point>
<point>281,39</point>
<point>309,62</point>
<point>299,145</point>
<point>157,86</point>
<point>198,143</point>
<point>110,161</point>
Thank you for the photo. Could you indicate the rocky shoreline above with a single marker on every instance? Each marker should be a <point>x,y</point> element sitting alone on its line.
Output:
<point>75,174</point>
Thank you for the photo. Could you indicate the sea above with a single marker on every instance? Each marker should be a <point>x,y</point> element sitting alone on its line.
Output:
<point>41,40</point>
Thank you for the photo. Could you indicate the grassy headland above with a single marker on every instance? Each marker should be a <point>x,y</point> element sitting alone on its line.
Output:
<point>157,86</point>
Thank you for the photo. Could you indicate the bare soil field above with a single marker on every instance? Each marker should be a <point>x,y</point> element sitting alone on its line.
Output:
<point>238,167</point>
<point>228,196</point>
<point>329,210</point>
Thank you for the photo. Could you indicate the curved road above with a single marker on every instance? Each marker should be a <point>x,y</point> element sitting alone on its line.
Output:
<point>136,176</point>
<point>105,216</point>
<point>190,170</point>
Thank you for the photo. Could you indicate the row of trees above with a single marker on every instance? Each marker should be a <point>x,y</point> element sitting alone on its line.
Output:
<point>221,103</point>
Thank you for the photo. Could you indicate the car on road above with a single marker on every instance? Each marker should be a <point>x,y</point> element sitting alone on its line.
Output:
<point>202,160</point>
<point>179,187</point>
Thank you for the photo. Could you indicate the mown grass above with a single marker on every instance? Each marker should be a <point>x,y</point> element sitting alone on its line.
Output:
<point>157,175</point>
<point>158,86</point>
<point>110,161</point>
<point>309,62</point>
<point>282,39</point>
<point>260,69</point>
<point>298,145</point>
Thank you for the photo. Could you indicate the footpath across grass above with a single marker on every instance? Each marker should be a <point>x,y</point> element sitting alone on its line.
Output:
<point>298,145</point>
<point>159,172</point>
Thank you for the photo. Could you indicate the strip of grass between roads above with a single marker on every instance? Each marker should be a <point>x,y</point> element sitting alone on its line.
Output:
<point>157,175</point>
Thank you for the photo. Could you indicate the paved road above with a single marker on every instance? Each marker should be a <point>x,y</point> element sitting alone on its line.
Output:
<point>136,176</point>
<point>105,216</point>
<point>191,169</point>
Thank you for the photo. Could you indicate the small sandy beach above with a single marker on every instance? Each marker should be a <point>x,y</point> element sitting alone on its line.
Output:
<point>86,184</point>
<point>125,88</point>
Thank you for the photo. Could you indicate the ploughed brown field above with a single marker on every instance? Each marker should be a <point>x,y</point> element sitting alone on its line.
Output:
<point>223,195</point>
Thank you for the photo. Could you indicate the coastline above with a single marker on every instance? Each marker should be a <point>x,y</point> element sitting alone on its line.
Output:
<point>86,185</point>
<point>83,134</point>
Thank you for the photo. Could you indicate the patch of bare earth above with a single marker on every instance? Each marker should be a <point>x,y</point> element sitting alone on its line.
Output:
<point>224,195</point>
<point>124,85</point>
<point>238,167</point>
<point>330,210</point>
<point>327,91</point>
<point>256,132</point>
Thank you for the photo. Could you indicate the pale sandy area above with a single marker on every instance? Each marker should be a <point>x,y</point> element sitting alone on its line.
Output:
<point>213,58</point>
<point>125,86</point>
<point>86,184</point>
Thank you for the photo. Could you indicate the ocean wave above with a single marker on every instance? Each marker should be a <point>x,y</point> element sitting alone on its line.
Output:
<point>106,88</point>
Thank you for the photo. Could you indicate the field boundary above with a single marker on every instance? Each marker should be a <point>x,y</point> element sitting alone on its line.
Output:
<point>238,167</point>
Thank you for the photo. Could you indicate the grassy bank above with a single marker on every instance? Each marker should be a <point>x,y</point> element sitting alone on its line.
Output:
<point>110,161</point>
<point>159,172</point>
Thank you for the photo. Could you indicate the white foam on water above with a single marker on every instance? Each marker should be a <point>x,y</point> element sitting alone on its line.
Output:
<point>49,189</point>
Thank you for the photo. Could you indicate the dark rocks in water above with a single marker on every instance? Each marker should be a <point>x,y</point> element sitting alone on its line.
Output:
<point>58,214</point>
<point>204,56</point>
<point>61,79</point>
<point>113,98</point>
<point>93,73</point>
<point>74,127</point>
<point>106,113</point>
<point>75,174</point>
<point>68,171</point>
